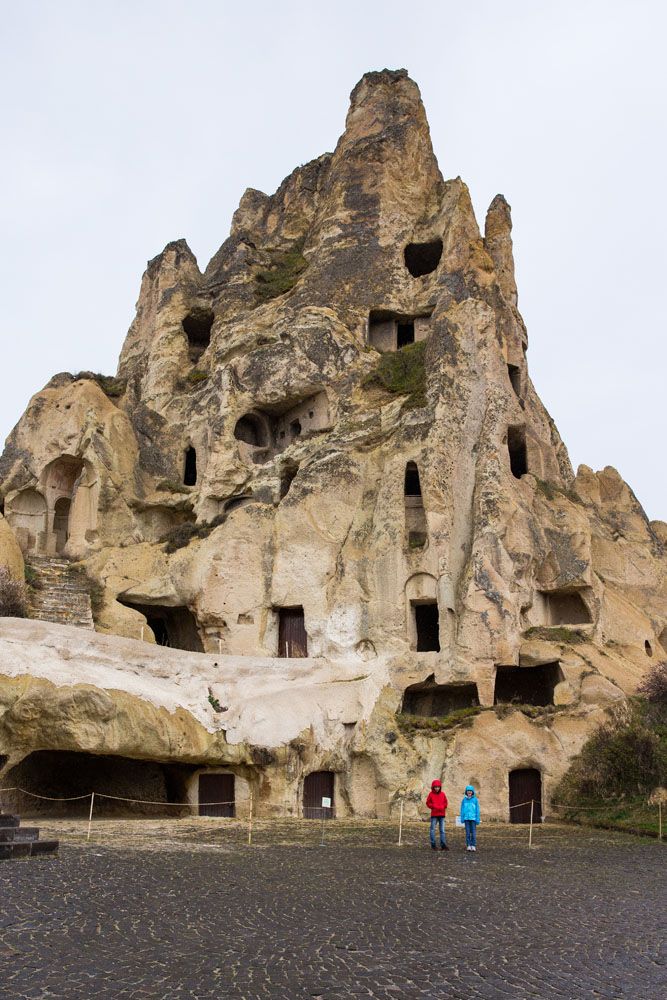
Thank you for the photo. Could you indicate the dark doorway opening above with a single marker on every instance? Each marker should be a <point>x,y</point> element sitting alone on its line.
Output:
<point>526,685</point>
<point>295,429</point>
<point>197,328</point>
<point>61,522</point>
<point>514,373</point>
<point>190,467</point>
<point>216,795</point>
<point>175,627</point>
<point>412,487</point>
<point>422,258</point>
<point>292,635</point>
<point>317,786</point>
<point>251,430</point>
<point>427,627</point>
<point>525,788</point>
<point>516,445</point>
<point>63,774</point>
<point>431,699</point>
<point>405,334</point>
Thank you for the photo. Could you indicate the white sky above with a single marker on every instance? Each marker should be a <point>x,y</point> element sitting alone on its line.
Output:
<point>129,124</point>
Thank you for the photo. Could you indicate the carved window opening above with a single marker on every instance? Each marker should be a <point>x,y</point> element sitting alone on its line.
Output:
<point>416,528</point>
<point>422,258</point>
<point>190,467</point>
<point>514,374</point>
<point>287,475</point>
<point>526,685</point>
<point>292,635</point>
<point>197,328</point>
<point>648,649</point>
<point>389,331</point>
<point>427,626</point>
<point>566,608</point>
<point>295,429</point>
<point>516,445</point>
<point>252,430</point>
<point>430,699</point>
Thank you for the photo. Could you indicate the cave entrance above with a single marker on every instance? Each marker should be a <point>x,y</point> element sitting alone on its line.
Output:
<point>318,789</point>
<point>292,635</point>
<point>197,328</point>
<point>63,774</point>
<point>171,626</point>
<point>430,699</point>
<point>516,445</point>
<point>190,467</point>
<point>526,685</point>
<point>216,795</point>
<point>525,785</point>
<point>427,626</point>
<point>422,258</point>
<point>514,373</point>
<point>61,522</point>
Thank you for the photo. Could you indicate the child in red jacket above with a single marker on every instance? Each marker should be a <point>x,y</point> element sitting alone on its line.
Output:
<point>437,803</point>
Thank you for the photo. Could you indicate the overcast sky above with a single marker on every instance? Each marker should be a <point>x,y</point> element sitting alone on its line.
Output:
<point>130,124</point>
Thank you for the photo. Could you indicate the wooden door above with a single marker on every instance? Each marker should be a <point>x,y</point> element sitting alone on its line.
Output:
<point>316,786</point>
<point>216,795</point>
<point>292,637</point>
<point>525,787</point>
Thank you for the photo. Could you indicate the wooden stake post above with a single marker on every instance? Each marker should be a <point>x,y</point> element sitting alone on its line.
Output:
<point>530,835</point>
<point>400,825</point>
<point>250,822</point>
<point>90,815</point>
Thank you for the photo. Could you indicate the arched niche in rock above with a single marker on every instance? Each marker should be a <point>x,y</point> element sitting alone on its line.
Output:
<point>26,515</point>
<point>422,614</point>
<point>71,489</point>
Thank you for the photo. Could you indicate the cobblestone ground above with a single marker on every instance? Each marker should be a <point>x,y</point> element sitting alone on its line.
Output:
<point>187,910</point>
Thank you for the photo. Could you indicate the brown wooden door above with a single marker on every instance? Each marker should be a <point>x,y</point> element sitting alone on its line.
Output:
<point>216,795</point>
<point>292,637</point>
<point>316,786</point>
<point>525,787</point>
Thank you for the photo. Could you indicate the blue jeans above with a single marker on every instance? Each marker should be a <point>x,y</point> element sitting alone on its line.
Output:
<point>438,821</point>
<point>471,832</point>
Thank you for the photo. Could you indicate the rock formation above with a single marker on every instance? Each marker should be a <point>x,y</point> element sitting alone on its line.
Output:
<point>323,472</point>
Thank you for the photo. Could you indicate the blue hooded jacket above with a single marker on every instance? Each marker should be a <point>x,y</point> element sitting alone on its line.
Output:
<point>470,806</point>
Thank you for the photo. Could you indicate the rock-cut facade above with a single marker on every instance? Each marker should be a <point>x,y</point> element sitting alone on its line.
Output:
<point>333,540</point>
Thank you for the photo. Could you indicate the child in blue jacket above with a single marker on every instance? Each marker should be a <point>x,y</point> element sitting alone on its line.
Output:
<point>470,817</point>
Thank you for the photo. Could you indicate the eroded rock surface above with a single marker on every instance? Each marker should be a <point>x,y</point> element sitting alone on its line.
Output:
<point>328,443</point>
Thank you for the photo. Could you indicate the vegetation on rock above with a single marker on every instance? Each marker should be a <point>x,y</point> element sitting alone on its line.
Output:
<point>282,274</point>
<point>622,763</point>
<point>402,373</point>
<point>180,536</point>
<point>110,385</point>
<point>13,600</point>
<point>437,723</point>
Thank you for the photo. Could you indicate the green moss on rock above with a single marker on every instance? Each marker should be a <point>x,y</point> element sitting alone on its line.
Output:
<point>282,274</point>
<point>402,373</point>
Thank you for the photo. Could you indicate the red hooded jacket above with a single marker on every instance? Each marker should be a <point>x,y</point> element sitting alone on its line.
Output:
<point>437,802</point>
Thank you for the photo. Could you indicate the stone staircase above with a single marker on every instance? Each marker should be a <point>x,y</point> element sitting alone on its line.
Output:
<point>59,594</point>
<point>18,841</point>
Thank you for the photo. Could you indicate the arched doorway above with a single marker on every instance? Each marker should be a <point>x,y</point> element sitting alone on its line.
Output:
<point>61,522</point>
<point>525,788</point>
<point>317,788</point>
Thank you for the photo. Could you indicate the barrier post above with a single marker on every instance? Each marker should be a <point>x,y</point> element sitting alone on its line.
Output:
<point>400,825</point>
<point>659,820</point>
<point>530,835</point>
<point>323,818</point>
<point>90,814</point>
<point>250,822</point>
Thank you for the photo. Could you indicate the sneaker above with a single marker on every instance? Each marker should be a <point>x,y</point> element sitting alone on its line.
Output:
<point>468,848</point>
<point>473,848</point>
<point>433,847</point>
<point>443,847</point>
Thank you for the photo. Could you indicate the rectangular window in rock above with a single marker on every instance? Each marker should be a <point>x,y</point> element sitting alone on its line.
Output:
<point>430,699</point>
<point>526,685</point>
<point>416,531</point>
<point>292,635</point>
<point>516,445</point>
<point>427,627</point>
<point>566,608</point>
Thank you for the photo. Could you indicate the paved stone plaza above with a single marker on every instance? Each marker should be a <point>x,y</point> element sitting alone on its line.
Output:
<point>199,914</point>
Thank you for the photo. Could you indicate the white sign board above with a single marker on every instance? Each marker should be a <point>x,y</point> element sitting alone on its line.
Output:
<point>326,803</point>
